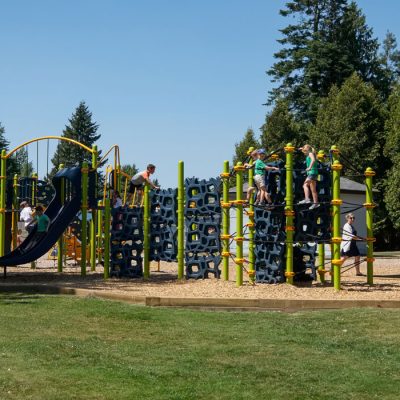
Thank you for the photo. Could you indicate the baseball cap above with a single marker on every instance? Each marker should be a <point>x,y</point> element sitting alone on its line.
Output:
<point>261,151</point>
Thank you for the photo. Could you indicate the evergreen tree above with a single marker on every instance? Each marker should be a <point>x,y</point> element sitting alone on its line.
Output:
<point>352,118</point>
<point>12,165</point>
<point>392,151</point>
<point>328,42</point>
<point>4,143</point>
<point>241,150</point>
<point>25,167</point>
<point>280,128</point>
<point>243,146</point>
<point>390,63</point>
<point>129,169</point>
<point>82,129</point>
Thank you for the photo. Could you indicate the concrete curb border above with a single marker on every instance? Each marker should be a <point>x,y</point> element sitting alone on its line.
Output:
<point>235,304</point>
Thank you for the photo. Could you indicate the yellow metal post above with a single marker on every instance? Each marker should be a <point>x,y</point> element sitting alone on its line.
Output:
<point>225,221</point>
<point>369,206</point>
<point>251,224</point>
<point>336,202</point>
<point>60,252</point>
<point>239,260</point>
<point>289,212</point>
<point>15,212</point>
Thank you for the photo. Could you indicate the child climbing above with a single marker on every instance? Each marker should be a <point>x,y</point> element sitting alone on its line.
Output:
<point>310,184</point>
<point>251,189</point>
<point>116,199</point>
<point>259,170</point>
<point>137,182</point>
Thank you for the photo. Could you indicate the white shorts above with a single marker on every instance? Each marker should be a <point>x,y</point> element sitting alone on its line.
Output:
<point>259,181</point>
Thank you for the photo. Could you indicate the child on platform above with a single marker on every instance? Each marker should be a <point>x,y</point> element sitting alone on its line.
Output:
<point>310,184</point>
<point>259,171</point>
<point>251,189</point>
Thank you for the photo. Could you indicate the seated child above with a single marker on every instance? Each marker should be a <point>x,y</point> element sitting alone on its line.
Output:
<point>43,222</point>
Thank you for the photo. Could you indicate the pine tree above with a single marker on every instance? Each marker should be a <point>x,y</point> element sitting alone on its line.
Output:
<point>241,150</point>
<point>4,143</point>
<point>243,146</point>
<point>82,129</point>
<point>280,128</point>
<point>390,64</point>
<point>329,41</point>
<point>392,151</point>
<point>11,166</point>
<point>129,169</point>
<point>25,167</point>
<point>352,118</point>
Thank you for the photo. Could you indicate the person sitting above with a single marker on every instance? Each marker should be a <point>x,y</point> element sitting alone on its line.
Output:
<point>43,222</point>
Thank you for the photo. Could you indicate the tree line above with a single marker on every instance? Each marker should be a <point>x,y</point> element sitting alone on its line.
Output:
<point>81,128</point>
<point>336,84</point>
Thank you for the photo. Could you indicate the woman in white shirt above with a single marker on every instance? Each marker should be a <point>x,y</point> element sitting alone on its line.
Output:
<point>348,246</point>
<point>25,214</point>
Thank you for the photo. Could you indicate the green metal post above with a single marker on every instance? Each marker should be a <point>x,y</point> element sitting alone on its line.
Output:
<point>369,205</point>
<point>107,221</point>
<point>336,202</point>
<point>289,212</point>
<point>60,252</point>
<point>34,203</point>
<point>225,221</point>
<point>321,246</point>
<point>85,182</point>
<point>239,224</point>
<point>119,179</point>
<point>3,181</point>
<point>100,247</point>
<point>94,218</point>
<point>146,232</point>
<point>251,224</point>
<point>321,262</point>
<point>15,212</point>
<point>181,219</point>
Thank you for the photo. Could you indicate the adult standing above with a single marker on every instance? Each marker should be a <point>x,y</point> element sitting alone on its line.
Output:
<point>348,246</point>
<point>25,214</point>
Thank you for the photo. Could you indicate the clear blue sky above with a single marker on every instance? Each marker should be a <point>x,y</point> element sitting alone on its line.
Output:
<point>166,80</point>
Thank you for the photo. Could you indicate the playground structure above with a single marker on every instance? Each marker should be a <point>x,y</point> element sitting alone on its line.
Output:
<point>189,225</point>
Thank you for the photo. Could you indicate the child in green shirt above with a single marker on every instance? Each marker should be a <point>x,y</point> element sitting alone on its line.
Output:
<point>259,170</point>
<point>43,223</point>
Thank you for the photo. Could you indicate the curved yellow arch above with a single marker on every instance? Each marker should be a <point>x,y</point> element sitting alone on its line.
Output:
<point>49,137</point>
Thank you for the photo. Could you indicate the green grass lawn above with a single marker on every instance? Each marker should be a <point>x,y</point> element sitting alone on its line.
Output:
<point>70,348</point>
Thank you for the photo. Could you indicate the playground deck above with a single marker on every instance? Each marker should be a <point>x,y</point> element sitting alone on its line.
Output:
<point>166,285</point>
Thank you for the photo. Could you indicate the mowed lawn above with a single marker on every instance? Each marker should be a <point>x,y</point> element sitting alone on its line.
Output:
<point>59,347</point>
